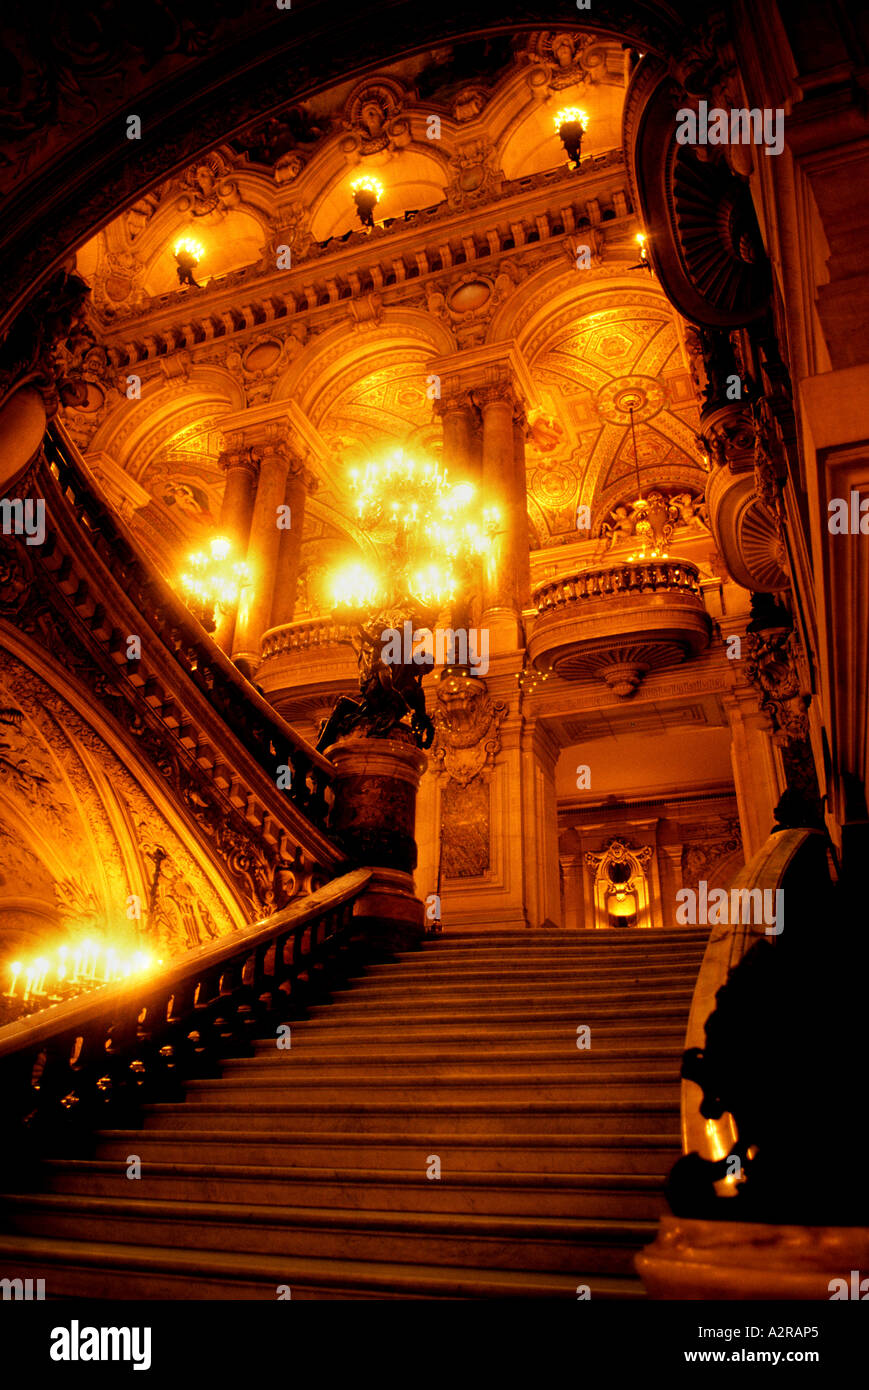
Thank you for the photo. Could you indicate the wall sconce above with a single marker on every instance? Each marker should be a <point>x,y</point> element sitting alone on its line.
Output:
<point>571,124</point>
<point>367,192</point>
<point>188,253</point>
<point>643,263</point>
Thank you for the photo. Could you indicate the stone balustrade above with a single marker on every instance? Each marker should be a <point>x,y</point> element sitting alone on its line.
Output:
<point>617,622</point>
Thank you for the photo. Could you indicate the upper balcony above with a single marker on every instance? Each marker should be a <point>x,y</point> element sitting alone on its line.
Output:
<point>305,665</point>
<point>616,622</point>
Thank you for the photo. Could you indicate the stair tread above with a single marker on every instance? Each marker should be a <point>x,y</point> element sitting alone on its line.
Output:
<point>283,1269</point>
<point>324,1137</point>
<point>248,1214</point>
<point>371,1176</point>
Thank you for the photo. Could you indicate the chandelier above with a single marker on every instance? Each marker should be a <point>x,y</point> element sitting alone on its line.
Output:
<point>213,581</point>
<point>427,532</point>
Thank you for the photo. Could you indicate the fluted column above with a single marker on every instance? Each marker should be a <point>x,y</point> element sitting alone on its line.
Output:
<point>300,482</point>
<point>263,546</point>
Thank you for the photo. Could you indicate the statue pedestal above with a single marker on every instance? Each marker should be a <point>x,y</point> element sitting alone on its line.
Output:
<point>692,1259</point>
<point>372,819</point>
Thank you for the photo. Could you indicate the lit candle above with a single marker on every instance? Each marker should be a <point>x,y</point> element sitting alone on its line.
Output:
<point>43,966</point>
<point>30,973</point>
<point>16,971</point>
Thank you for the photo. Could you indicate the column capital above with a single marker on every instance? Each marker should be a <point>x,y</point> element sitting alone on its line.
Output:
<point>454,399</point>
<point>496,391</point>
<point>239,457</point>
<point>301,473</point>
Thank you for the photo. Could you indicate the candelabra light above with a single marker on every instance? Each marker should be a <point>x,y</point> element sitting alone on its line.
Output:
<point>571,124</point>
<point>67,971</point>
<point>643,263</point>
<point>367,193</point>
<point>188,253</point>
<point>213,581</point>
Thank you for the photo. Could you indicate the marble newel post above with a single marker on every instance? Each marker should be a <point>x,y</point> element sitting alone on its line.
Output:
<point>255,610</point>
<point>373,819</point>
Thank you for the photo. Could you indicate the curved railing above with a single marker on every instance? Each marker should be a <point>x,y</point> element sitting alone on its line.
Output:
<point>630,577</point>
<point>257,726</point>
<point>791,862</point>
<point>304,635</point>
<point>73,1067</point>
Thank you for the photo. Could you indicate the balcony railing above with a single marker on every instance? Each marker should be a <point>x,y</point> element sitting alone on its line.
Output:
<point>637,577</point>
<point>302,636</point>
<point>618,622</point>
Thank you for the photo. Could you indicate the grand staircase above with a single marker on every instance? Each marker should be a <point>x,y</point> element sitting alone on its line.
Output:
<point>314,1170</point>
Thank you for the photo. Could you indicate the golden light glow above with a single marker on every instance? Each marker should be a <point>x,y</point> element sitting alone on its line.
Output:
<point>70,970</point>
<point>213,579</point>
<point>426,530</point>
<point>641,242</point>
<point>570,115</point>
<point>369,183</point>
<point>355,586</point>
<point>187,246</point>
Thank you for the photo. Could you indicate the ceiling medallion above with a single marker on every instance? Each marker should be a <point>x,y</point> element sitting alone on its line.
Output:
<point>641,395</point>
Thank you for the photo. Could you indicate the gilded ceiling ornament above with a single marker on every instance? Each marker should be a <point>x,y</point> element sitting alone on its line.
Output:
<point>642,395</point>
<point>207,189</point>
<point>476,176</point>
<point>468,103</point>
<point>372,116</point>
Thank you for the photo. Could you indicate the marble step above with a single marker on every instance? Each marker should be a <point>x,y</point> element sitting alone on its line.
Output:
<point>308,1061</point>
<point>462,1239</point>
<point>631,1196</point>
<point>579,1084</point>
<point>429,1121</point>
<point>519,989</point>
<point>97,1270</point>
<point>539,1035</point>
<point>515,1154</point>
<point>518,1010</point>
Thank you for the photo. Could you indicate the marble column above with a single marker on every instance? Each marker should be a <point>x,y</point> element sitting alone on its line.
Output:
<point>263,547</point>
<point>241,466</point>
<point>461,445</point>
<point>518,528</point>
<point>503,588</point>
<point>300,482</point>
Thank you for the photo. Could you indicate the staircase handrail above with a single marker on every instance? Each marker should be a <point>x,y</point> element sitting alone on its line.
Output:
<point>237,700</point>
<point>779,864</point>
<point>71,1065</point>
